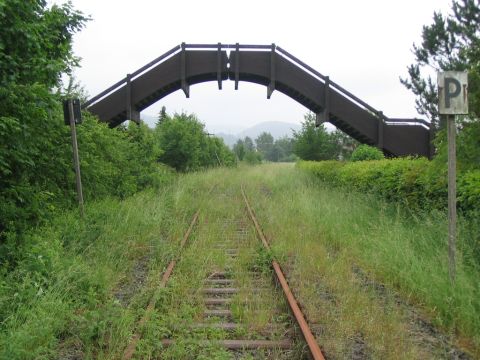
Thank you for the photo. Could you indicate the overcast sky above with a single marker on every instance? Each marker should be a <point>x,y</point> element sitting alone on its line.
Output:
<point>362,45</point>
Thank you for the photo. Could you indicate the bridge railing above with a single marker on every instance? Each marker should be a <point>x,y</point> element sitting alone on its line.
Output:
<point>379,114</point>
<point>134,74</point>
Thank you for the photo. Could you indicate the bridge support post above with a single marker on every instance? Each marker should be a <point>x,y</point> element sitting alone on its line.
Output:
<point>324,116</point>
<point>271,86</point>
<point>183,72</point>
<point>237,64</point>
<point>219,66</point>
<point>380,130</point>
<point>132,113</point>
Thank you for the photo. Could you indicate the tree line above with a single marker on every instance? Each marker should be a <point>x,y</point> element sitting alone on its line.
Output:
<point>186,146</point>
<point>36,172</point>
<point>450,42</point>
<point>308,143</point>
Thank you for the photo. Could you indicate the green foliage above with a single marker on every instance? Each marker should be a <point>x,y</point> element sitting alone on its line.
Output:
<point>187,147</point>
<point>366,152</point>
<point>345,144</point>
<point>36,172</point>
<point>35,49</point>
<point>36,41</point>
<point>61,295</point>
<point>416,182</point>
<point>376,248</point>
<point>283,150</point>
<point>120,161</point>
<point>253,157</point>
<point>469,191</point>
<point>33,153</point>
<point>450,42</point>
<point>267,148</point>
<point>264,144</point>
<point>162,115</point>
<point>113,162</point>
<point>312,143</point>
<point>239,149</point>
<point>248,143</point>
<point>468,146</point>
<point>36,159</point>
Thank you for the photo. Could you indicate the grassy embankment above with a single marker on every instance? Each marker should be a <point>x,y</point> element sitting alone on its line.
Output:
<point>79,288</point>
<point>338,245</point>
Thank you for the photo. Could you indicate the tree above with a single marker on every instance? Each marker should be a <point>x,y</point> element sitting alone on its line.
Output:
<point>451,42</point>
<point>345,144</point>
<point>187,147</point>
<point>264,143</point>
<point>239,149</point>
<point>162,115</point>
<point>253,157</point>
<point>35,50</point>
<point>36,42</point>
<point>180,138</point>
<point>223,154</point>
<point>312,143</point>
<point>284,148</point>
<point>248,142</point>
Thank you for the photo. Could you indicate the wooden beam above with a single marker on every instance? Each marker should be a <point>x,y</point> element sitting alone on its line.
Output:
<point>183,72</point>
<point>271,86</point>
<point>237,64</point>
<point>219,66</point>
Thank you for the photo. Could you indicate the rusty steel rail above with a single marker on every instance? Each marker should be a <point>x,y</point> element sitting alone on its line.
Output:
<point>292,302</point>
<point>130,349</point>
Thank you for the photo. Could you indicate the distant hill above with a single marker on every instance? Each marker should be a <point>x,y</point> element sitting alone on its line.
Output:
<point>228,139</point>
<point>278,129</point>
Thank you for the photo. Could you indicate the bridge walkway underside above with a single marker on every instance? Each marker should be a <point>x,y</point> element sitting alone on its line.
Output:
<point>272,67</point>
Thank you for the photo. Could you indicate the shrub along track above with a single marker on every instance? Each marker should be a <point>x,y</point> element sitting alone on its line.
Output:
<point>236,310</point>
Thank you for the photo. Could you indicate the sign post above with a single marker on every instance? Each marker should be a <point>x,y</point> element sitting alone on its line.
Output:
<point>72,116</point>
<point>452,100</point>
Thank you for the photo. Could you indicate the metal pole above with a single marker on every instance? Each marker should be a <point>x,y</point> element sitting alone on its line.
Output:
<point>76,159</point>
<point>452,195</point>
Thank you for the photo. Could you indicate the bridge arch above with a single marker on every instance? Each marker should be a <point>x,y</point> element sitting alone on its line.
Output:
<point>267,65</point>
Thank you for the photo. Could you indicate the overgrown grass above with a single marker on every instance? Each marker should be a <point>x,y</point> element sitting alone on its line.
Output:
<point>61,297</point>
<point>330,234</point>
<point>417,183</point>
<point>222,212</point>
<point>356,263</point>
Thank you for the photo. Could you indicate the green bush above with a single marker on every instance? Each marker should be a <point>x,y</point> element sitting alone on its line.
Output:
<point>36,171</point>
<point>416,182</point>
<point>469,191</point>
<point>37,176</point>
<point>187,147</point>
<point>253,157</point>
<point>366,152</point>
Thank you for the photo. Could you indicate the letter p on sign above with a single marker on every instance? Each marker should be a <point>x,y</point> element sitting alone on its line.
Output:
<point>452,92</point>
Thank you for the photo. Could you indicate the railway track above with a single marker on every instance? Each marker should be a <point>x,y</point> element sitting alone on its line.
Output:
<point>243,312</point>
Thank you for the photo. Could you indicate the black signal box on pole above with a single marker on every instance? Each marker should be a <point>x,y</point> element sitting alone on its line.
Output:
<point>77,111</point>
